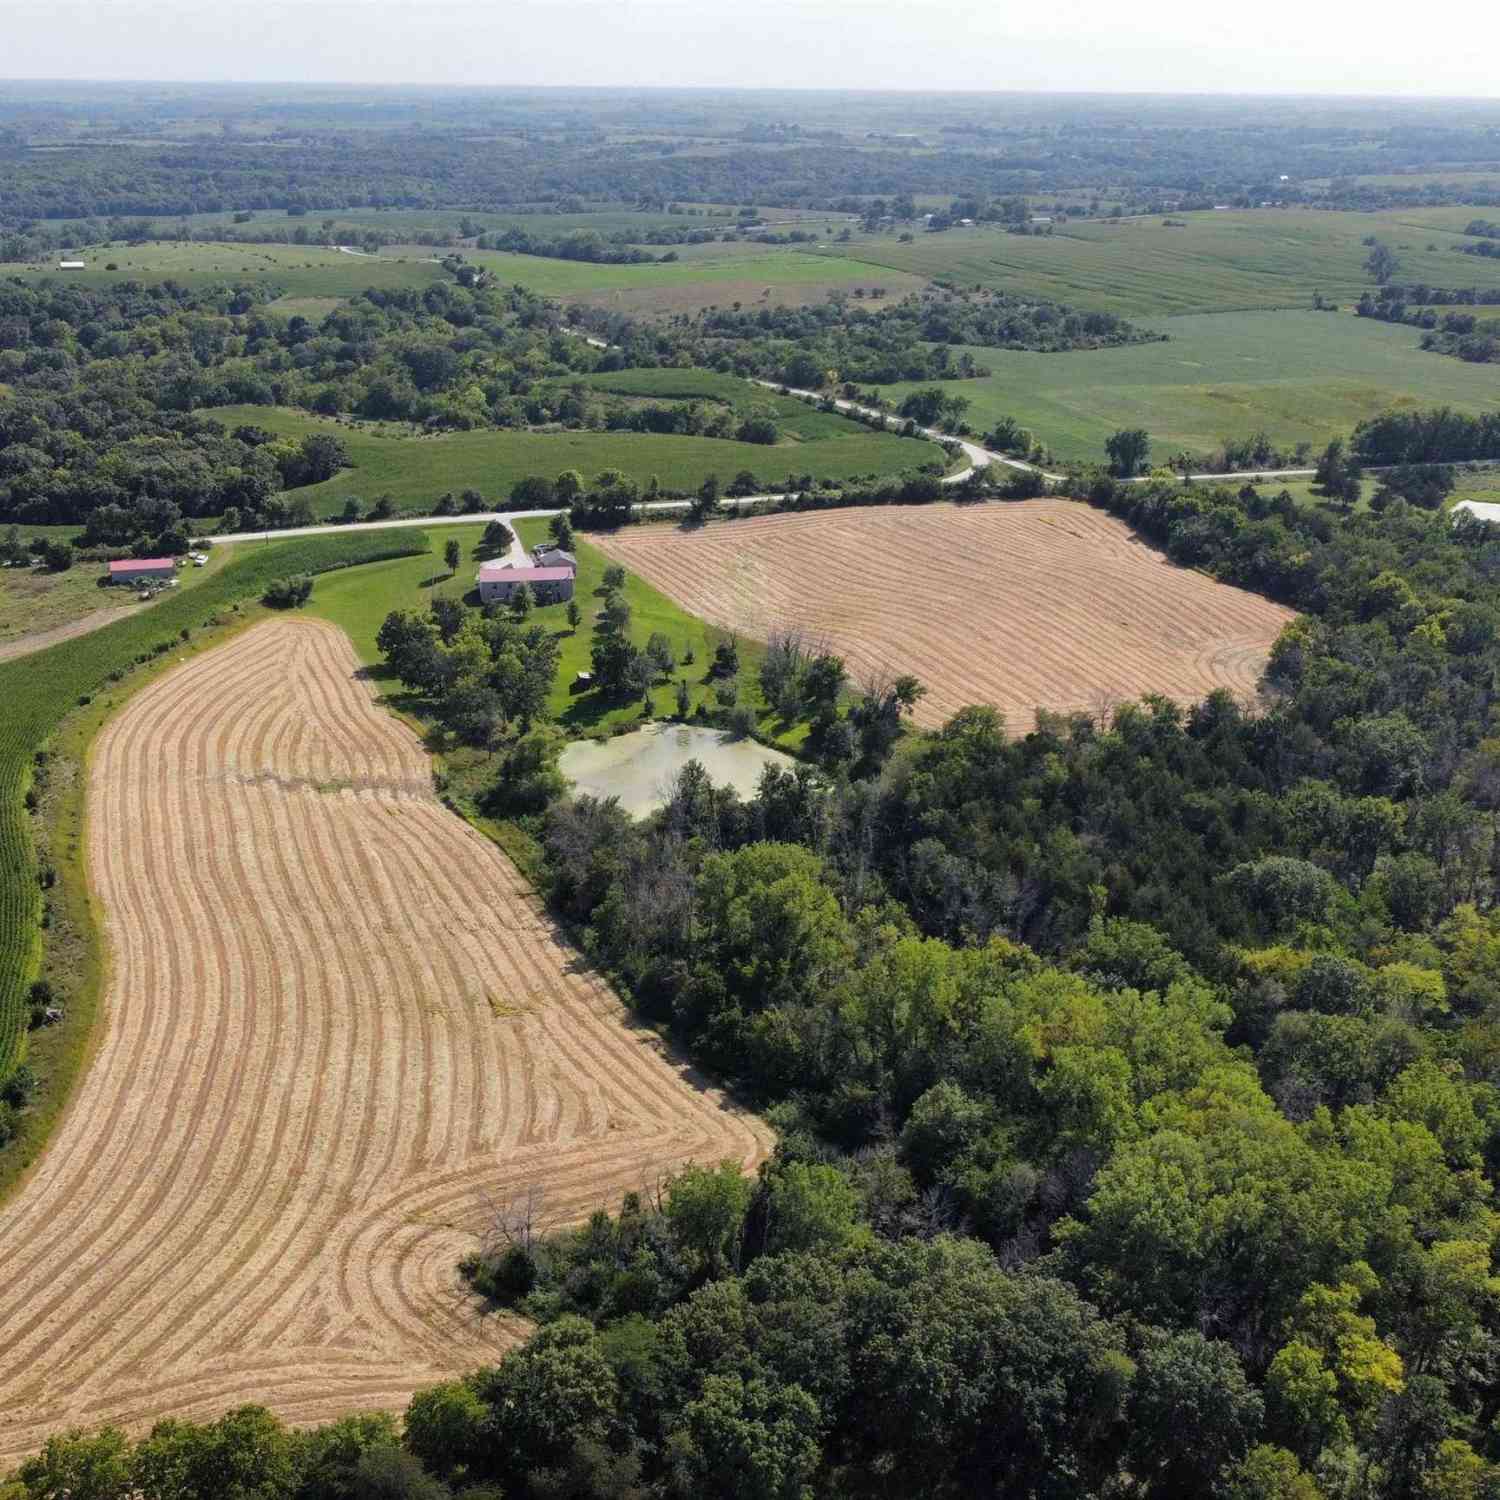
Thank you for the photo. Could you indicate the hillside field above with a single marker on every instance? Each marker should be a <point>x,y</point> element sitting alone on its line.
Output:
<point>418,468</point>
<point>374,1029</point>
<point>299,271</point>
<point>796,418</point>
<point>1298,376</point>
<point>1220,262</point>
<point>758,275</point>
<point>1033,604</point>
<point>713,275</point>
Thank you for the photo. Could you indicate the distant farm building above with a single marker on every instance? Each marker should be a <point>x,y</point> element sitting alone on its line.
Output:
<point>498,584</point>
<point>138,569</point>
<point>72,265</point>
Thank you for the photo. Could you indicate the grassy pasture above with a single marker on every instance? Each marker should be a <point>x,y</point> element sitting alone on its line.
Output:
<point>300,271</point>
<point>757,274</point>
<point>1295,375</point>
<point>417,469</point>
<point>796,418</point>
<point>1221,262</point>
<point>607,219</point>
<point>705,276</point>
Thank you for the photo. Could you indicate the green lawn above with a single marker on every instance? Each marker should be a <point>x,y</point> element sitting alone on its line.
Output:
<point>1257,258</point>
<point>650,611</point>
<point>1295,375</point>
<point>417,469</point>
<point>358,600</point>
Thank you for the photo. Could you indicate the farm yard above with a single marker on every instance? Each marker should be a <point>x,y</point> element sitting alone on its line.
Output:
<point>338,1026</point>
<point>34,602</point>
<point>1035,604</point>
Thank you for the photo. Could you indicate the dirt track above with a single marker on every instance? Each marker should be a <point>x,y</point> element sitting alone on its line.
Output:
<point>338,1028</point>
<point>1037,603</point>
<point>39,640</point>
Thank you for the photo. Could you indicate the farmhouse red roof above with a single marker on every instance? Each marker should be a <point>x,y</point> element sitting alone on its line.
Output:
<point>141,565</point>
<point>499,573</point>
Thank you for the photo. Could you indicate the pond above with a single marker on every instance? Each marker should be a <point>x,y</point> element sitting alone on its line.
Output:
<point>640,767</point>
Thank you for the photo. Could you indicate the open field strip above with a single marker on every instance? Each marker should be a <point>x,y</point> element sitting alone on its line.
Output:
<point>1296,376</point>
<point>416,469</point>
<point>339,1028</point>
<point>1037,603</point>
<point>758,275</point>
<point>1205,262</point>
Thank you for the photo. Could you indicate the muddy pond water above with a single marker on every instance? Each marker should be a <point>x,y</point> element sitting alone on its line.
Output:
<point>640,767</point>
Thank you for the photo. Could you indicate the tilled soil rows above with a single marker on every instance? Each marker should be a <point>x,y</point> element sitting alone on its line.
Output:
<point>339,1031</point>
<point>1032,604</point>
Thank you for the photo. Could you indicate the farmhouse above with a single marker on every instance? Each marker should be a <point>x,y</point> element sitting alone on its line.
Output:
<point>136,569</point>
<point>499,583</point>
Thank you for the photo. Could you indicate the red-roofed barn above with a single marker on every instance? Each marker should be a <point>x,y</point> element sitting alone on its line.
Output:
<point>137,569</point>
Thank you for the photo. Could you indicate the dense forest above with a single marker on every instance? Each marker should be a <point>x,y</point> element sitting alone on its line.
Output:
<point>860,337</point>
<point>111,392</point>
<point>321,151</point>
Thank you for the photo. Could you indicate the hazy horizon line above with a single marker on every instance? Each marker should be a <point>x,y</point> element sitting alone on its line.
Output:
<point>743,89</point>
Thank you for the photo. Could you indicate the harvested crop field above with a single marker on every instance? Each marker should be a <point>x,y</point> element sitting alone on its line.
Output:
<point>1036,603</point>
<point>339,1030</point>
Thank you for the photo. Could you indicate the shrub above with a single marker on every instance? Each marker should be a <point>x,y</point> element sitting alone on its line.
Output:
<point>288,593</point>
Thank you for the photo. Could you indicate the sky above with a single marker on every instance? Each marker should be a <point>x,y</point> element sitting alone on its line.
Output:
<point>1174,46</point>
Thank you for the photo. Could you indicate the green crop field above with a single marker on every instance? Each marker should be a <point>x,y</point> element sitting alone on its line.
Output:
<point>416,470</point>
<point>1262,258</point>
<point>606,219</point>
<point>39,690</point>
<point>1298,376</point>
